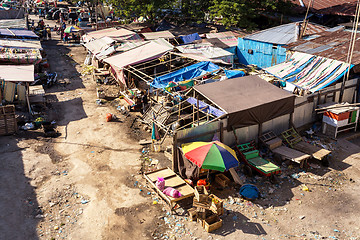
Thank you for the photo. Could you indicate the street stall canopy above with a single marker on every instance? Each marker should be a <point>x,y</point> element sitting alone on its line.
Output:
<point>190,38</point>
<point>186,73</point>
<point>228,38</point>
<point>309,72</point>
<point>156,35</point>
<point>140,54</point>
<point>17,33</point>
<point>16,43</point>
<point>207,51</point>
<point>118,34</point>
<point>98,45</point>
<point>17,73</point>
<point>248,100</point>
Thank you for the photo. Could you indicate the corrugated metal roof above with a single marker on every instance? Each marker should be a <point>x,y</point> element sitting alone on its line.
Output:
<point>333,45</point>
<point>285,34</point>
<point>337,7</point>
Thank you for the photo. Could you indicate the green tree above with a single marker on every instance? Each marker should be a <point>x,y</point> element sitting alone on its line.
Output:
<point>131,9</point>
<point>241,13</point>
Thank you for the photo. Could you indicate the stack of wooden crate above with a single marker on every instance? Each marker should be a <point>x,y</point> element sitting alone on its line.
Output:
<point>207,209</point>
<point>7,120</point>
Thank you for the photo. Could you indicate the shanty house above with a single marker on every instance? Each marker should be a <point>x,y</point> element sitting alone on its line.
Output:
<point>266,48</point>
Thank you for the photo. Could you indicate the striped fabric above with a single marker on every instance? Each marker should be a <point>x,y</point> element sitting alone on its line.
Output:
<point>309,72</point>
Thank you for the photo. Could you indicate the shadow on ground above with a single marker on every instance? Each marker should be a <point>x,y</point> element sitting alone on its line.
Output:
<point>18,201</point>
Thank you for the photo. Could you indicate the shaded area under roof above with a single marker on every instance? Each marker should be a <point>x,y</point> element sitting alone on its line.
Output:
<point>17,73</point>
<point>248,100</point>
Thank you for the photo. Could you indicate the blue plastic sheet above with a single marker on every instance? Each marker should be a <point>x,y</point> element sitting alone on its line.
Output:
<point>205,107</point>
<point>186,73</point>
<point>249,191</point>
<point>234,73</point>
<point>190,38</point>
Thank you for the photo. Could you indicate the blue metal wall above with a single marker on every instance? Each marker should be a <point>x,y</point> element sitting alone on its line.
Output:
<point>263,54</point>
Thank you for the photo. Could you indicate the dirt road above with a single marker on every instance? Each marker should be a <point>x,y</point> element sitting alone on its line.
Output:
<point>85,183</point>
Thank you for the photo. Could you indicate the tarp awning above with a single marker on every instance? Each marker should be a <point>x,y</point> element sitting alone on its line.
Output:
<point>190,38</point>
<point>206,107</point>
<point>17,73</point>
<point>18,33</point>
<point>98,45</point>
<point>234,73</point>
<point>186,73</point>
<point>248,100</point>
<point>140,54</point>
<point>118,34</point>
<point>156,35</point>
<point>309,72</point>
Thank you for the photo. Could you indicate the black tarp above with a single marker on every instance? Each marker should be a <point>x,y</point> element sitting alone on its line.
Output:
<point>248,100</point>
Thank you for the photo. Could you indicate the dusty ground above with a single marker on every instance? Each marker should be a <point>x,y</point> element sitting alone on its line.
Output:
<point>86,184</point>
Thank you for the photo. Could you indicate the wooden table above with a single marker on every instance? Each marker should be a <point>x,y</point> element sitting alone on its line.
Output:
<point>171,180</point>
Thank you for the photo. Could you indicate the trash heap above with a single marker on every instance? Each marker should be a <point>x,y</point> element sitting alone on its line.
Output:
<point>207,209</point>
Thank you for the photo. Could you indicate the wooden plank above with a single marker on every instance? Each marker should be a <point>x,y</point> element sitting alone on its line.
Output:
<point>315,151</point>
<point>174,181</point>
<point>235,176</point>
<point>165,173</point>
<point>291,154</point>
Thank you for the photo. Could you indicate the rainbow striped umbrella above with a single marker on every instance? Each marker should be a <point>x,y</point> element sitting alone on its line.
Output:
<point>210,155</point>
<point>71,29</point>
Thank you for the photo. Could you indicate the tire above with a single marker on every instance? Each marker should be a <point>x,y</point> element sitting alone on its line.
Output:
<point>248,171</point>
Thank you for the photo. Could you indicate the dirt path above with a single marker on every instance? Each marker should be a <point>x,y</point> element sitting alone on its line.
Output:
<point>81,184</point>
<point>85,183</point>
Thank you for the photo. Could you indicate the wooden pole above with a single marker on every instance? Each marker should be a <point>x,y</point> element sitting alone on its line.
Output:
<point>198,110</point>
<point>351,48</point>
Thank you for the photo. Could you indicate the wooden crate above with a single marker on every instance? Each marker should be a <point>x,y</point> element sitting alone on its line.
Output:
<point>274,143</point>
<point>222,180</point>
<point>204,204</point>
<point>217,205</point>
<point>212,223</point>
<point>193,214</point>
<point>8,123</point>
<point>201,194</point>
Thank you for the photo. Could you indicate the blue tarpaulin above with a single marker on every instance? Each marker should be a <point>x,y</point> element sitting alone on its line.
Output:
<point>190,38</point>
<point>234,73</point>
<point>205,107</point>
<point>186,73</point>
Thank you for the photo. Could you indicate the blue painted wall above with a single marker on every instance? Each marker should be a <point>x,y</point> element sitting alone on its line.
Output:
<point>263,54</point>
